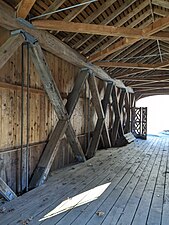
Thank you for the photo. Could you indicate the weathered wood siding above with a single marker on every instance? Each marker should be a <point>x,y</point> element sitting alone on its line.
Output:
<point>42,115</point>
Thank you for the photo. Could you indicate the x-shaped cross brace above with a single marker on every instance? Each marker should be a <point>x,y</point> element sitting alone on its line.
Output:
<point>64,114</point>
<point>117,107</point>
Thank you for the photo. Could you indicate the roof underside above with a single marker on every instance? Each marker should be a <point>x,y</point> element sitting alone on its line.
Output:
<point>120,13</point>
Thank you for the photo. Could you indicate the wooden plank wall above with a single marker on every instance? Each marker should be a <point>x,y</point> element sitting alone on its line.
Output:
<point>42,115</point>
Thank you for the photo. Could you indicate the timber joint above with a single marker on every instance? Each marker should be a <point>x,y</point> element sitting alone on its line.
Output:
<point>28,37</point>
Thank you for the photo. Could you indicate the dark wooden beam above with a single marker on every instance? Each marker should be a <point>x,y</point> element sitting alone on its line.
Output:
<point>117,107</point>
<point>105,102</point>
<point>75,93</point>
<point>128,113</point>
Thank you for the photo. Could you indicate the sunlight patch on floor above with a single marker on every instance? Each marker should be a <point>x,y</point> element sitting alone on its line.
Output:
<point>78,200</point>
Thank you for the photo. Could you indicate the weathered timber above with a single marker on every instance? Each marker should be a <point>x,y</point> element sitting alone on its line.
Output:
<point>9,47</point>
<point>99,29</point>
<point>48,81</point>
<point>55,98</point>
<point>101,118</point>
<point>95,96</point>
<point>41,172</point>
<point>74,143</point>
<point>128,113</point>
<point>121,105</point>
<point>94,142</point>
<point>54,95</point>
<point>75,93</point>
<point>24,8</point>
<point>53,45</point>
<point>6,191</point>
<point>105,102</point>
<point>129,137</point>
<point>117,126</point>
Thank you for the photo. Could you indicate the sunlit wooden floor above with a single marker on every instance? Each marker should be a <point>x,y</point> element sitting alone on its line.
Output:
<point>123,186</point>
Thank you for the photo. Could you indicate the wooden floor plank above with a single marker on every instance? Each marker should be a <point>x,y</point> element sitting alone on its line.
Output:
<point>155,211</point>
<point>165,211</point>
<point>114,177</point>
<point>62,191</point>
<point>135,183</point>
<point>119,196</point>
<point>145,203</point>
<point>130,209</point>
<point>93,207</point>
<point>98,181</point>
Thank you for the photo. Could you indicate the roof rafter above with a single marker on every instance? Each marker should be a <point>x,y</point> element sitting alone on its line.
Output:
<point>92,17</point>
<point>161,3</point>
<point>157,66</point>
<point>107,21</point>
<point>121,22</point>
<point>24,8</point>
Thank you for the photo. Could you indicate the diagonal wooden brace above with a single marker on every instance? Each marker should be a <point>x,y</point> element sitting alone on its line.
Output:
<point>63,126</point>
<point>128,113</point>
<point>75,93</point>
<point>41,172</point>
<point>117,126</point>
<point>101,118</point>
<point>105,102</point>
<point>9,48</point>
<point>6,191</point>
<point>48,82</point>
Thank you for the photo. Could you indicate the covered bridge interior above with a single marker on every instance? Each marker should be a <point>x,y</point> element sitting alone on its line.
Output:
<point>70,74</point>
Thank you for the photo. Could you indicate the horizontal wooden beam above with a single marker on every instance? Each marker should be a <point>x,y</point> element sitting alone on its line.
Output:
<point>113,48</point>
<point>87,28</point>
<point>52,44</point>
<point>106,30</point>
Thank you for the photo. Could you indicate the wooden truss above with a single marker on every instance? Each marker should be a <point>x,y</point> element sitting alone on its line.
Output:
<point>122,104</point>
<point>64,112</point>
